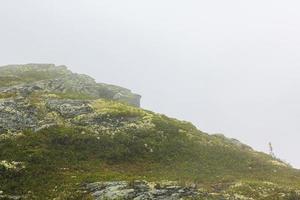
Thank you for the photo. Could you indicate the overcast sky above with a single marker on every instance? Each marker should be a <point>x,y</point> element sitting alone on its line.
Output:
<point>230,67</point>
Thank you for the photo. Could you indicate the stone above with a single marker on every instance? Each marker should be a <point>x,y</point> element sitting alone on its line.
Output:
<point>17,115</point>
<point>69,108</point>
<point>138,190</point>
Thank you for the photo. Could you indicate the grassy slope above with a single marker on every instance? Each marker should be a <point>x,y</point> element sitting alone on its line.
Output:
<point>59,159</point>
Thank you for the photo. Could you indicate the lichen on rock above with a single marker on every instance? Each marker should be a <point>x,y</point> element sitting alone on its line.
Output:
<point>139,190</point>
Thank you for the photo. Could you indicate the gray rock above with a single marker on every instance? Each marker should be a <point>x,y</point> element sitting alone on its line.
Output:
<point>17,115</point>
<point>144,196</point>
<point>110,190</point>
<point>69,108</point>
<point>32,98</point>
<point>26,79</point>
<point>138,190</point>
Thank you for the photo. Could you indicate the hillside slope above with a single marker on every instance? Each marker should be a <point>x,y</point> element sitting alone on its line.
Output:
<point>60,131</point>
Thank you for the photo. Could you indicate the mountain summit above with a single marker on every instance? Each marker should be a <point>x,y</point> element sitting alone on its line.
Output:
<point>25,79</point>
<point>64,136</point>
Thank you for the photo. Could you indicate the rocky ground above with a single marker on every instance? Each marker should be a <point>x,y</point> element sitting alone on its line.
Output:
<point>139,190</point>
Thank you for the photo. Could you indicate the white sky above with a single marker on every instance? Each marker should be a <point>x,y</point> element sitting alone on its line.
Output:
<point>230,67</point>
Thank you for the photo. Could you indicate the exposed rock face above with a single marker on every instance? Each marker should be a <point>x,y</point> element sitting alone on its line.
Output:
<point>44,110</point>
<point>139,190</point>
<point>36,96</point>
<point>68,108</point>
<point>17,114</point>
<point>25,79</point>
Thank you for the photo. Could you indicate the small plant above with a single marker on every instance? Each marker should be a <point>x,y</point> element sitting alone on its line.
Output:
<point>115,109</point>
<point>293,196</point>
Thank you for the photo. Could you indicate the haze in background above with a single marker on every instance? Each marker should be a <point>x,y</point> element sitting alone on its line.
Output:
<point>229,67</point>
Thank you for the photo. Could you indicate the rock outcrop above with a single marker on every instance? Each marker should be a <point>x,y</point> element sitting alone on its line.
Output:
<point>36,96</point>
<point>42,111</point>
<point>26,79</point>
<point>139,190</point>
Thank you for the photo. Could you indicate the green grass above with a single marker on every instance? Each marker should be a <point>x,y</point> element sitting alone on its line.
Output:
<point>7,95</point>
<point>13,76</point>
<point>153,147</point>
<point>58,160</point>
<point>115,109</point>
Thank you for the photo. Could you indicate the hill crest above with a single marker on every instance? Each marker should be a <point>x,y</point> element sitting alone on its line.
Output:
<point>60,131</point>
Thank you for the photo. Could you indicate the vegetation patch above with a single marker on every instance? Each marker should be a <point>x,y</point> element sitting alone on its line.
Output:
<point>115,109</point>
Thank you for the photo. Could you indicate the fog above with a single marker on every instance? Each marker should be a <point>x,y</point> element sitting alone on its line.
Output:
<point>230,67</point>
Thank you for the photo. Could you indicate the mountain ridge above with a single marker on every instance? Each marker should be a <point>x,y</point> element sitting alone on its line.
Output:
<point>59,135</point>
<point>60,79</point>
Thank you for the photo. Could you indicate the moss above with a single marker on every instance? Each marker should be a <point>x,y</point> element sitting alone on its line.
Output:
<point>7,95</point>
<point>70,95</point>
<point>66,157</point>
<point>115,109</point>
<point>261,190</point>
<point>14,75</point>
